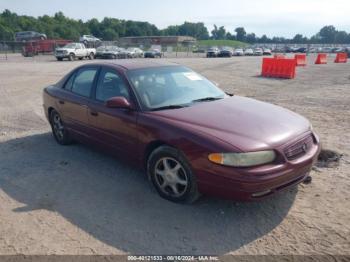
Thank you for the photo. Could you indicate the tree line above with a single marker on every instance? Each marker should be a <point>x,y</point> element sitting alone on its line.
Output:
<point>61,27</point>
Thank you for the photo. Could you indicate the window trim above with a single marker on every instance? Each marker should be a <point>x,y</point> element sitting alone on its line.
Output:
<point>112,70</point>
<point>74,74</point>
<point>132,99</point>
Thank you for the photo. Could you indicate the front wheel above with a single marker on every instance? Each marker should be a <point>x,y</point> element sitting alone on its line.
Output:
<point>91,56</point>
<point>71,57</point>
<point>59,131</point>
<point>172,176</point>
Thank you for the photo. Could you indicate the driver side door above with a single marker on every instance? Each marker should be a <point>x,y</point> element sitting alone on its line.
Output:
<point>114,128</point>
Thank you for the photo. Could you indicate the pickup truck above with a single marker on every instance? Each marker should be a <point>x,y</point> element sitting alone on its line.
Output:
<point>73,51</point>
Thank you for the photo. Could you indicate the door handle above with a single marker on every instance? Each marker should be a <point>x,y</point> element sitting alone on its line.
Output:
<point>61,102</point>
<point>93,113</point>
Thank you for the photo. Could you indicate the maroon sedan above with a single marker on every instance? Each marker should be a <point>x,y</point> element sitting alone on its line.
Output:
<point>190,136</point>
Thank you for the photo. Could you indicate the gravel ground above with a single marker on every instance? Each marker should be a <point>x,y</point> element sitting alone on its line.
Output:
<point>74,200</point>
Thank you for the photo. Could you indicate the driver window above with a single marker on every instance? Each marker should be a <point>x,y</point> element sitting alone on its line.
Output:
<point>109,85</point>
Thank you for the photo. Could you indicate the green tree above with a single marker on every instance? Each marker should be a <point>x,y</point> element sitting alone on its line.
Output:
<point>251,38</point>
<point>240,34</point>
<point>327,34</point>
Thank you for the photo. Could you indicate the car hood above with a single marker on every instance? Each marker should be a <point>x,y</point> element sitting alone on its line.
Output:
<point>245,123</point>
<point>64,49</point>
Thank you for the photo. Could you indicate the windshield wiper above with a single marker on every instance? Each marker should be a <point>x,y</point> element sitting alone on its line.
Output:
<point>207,99</point>
<point>168,107</point>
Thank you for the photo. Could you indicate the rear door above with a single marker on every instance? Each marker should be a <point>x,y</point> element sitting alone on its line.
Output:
<point>113,127</point>
<point>73,104</point>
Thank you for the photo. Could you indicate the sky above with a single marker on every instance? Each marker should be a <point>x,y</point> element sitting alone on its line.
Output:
<point>270,17</point>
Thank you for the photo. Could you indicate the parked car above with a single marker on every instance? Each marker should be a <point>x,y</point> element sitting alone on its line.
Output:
<point>347,50</point>
<point>135,52</point>
<point>107,52</point>
<point>189,135</point>
<point>213,52</point>
<point>89,39</point>
<point>279,50</point>
<point>131,52</point>
<point>289,49</point>
<point>238,52</point>
<point>326,50</point>
<point>301,50</point>
<point>29,35</point>
<point>73,51</point>
<point>338,50</point>
<point>226,52</point>
<point>153,53</point>
<point>267,51</point>
<point>258,51</point>
<point>248,52</point>
<point>312,50</point>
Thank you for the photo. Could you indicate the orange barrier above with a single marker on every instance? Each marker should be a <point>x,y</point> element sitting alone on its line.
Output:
<point>279,56</point>
<point>321,59</point>
<point>300,59</point>
<point>278,67</point>
<point>341,58</point>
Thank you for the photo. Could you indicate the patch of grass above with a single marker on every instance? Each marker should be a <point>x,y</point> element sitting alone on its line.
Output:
<point>231,43</point>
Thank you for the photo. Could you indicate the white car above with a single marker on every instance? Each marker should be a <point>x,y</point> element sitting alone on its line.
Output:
<point>238,52</point>
<point>249,52</point>
<point>73,51</point>
<point>258,51</point>
<point>135,52</point>
<point>267,51</point>
<point>86,39</point>
<point>131,52</point>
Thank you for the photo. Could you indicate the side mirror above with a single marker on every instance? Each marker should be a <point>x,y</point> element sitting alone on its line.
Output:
<point>118,102</point>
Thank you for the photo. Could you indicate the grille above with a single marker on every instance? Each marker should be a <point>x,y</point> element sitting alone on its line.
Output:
<point>300,148</point>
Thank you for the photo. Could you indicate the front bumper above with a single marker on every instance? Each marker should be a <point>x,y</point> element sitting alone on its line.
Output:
<point>61,55</point>
<point>108,56</point>
<point>249,184</point>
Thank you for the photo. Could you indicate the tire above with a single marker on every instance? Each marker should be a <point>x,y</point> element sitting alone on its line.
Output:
<point>71,57</point>
<point>171,175</point>
<point>59,58</point>
<point>91,56</point>
<point>59,132</point>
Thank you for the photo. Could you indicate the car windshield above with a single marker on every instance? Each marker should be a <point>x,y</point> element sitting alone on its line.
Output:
<point>172,87</point>
<point>107,48</point>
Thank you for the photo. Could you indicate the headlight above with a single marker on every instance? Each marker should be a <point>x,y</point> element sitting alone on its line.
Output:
<point>243,159</point>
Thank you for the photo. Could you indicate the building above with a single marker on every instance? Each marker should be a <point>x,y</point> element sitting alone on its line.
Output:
<point>157,40</point>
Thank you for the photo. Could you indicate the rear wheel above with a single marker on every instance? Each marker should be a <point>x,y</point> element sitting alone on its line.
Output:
<point>59,131</point>
<point>172,176</point>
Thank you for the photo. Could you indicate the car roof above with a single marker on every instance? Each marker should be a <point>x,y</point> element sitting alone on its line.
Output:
<point>136,64</point>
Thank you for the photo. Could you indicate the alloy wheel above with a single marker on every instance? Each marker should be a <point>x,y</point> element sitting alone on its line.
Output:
<point>171,177</point>
<point>58,127</point>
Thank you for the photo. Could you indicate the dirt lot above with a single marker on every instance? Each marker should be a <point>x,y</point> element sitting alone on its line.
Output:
<point>74,200</point>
